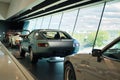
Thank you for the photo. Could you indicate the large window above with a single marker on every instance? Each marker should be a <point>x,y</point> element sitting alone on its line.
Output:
<point>38,23</point>
<point>46,21</point>
<point>86,27</point>
<point>68,21</point>
<point>110,25</point>
<point>55,21</point>
<point>83,23</point>
<point>32,24</point>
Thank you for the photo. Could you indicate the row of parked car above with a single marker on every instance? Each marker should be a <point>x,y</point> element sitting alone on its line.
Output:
<point>43,43</point>
<point>99,65</point>
<point>14,37</point>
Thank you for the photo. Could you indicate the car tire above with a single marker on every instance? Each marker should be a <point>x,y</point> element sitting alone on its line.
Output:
<point>33,57</point>
<point>22,52</point>
<point>69,73</point>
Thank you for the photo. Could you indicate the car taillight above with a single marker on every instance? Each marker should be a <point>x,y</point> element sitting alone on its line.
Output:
<point>75,44</point>
<point>43,44</point>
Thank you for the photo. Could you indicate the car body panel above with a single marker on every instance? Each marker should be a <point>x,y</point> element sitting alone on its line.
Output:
<point>87,67</point>
<point>10,68</point>
<point>53,46</point>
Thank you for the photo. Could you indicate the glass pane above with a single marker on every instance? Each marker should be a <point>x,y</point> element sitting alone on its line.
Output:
<point>55,21</point>
<point>46,21</point>
<point>113,52</point>
<point>32,24</point>
<point>68,21</point>
<point>86,26</point>
<point>38,23</point>
<point>55,35</point>
<point>26,25</point>
<point>110,25</point>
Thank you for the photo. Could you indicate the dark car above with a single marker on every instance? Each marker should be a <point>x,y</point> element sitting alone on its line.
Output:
<point>44,43</point>
<point>102,64</point>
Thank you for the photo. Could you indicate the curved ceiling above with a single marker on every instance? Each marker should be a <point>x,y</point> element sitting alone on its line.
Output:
<point>48,7</point>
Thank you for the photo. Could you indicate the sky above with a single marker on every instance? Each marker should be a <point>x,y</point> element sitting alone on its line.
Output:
<point>88,19</point>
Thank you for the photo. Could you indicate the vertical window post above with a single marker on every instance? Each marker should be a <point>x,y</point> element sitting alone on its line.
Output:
<point>76,21</point>
<point>99,24</point>
<point>60,20</point>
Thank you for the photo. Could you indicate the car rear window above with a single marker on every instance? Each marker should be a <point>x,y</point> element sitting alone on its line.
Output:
<point>55,35</point>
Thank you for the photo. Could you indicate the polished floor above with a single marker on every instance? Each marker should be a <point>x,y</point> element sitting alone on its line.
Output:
<point>45,69</point>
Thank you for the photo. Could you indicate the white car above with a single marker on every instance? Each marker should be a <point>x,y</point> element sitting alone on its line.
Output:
<point>102,64</point>
<point>10,68</point>
<point>16,39</point>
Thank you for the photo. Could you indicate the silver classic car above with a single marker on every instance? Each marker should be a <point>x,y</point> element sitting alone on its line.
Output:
<point>102,64</point>
<point>44,43</point>
<point>10,68</point>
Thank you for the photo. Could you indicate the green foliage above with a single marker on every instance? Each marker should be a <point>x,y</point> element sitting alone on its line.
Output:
<point>102,37</point>
<point>90,39</point>
<point>87,39</point>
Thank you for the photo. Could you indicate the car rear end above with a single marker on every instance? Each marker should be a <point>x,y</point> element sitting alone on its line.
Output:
<point>50,46</point>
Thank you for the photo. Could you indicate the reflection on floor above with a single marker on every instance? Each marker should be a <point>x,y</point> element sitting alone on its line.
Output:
<point>45,69</point>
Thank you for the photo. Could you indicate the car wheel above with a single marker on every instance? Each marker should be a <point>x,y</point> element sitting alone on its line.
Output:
<point>69,73</point>
<point>33,57</point>
<point>22,52</point>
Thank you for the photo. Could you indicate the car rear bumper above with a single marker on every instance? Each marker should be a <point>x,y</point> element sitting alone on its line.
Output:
<point>54,52</point>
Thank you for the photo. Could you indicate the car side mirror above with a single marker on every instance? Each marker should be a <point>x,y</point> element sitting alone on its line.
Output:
<point>97,53</point>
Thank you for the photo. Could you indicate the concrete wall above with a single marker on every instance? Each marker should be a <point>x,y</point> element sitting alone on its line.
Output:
<point>3,10</point>
<point>16,6</point>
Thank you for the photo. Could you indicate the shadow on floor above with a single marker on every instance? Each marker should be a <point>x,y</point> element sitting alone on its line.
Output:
<point>45,69</point>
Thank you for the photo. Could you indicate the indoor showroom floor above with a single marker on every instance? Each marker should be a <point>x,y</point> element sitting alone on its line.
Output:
<point>45,69</point>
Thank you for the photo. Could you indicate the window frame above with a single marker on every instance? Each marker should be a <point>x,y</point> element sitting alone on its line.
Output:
<point>110,46</point>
